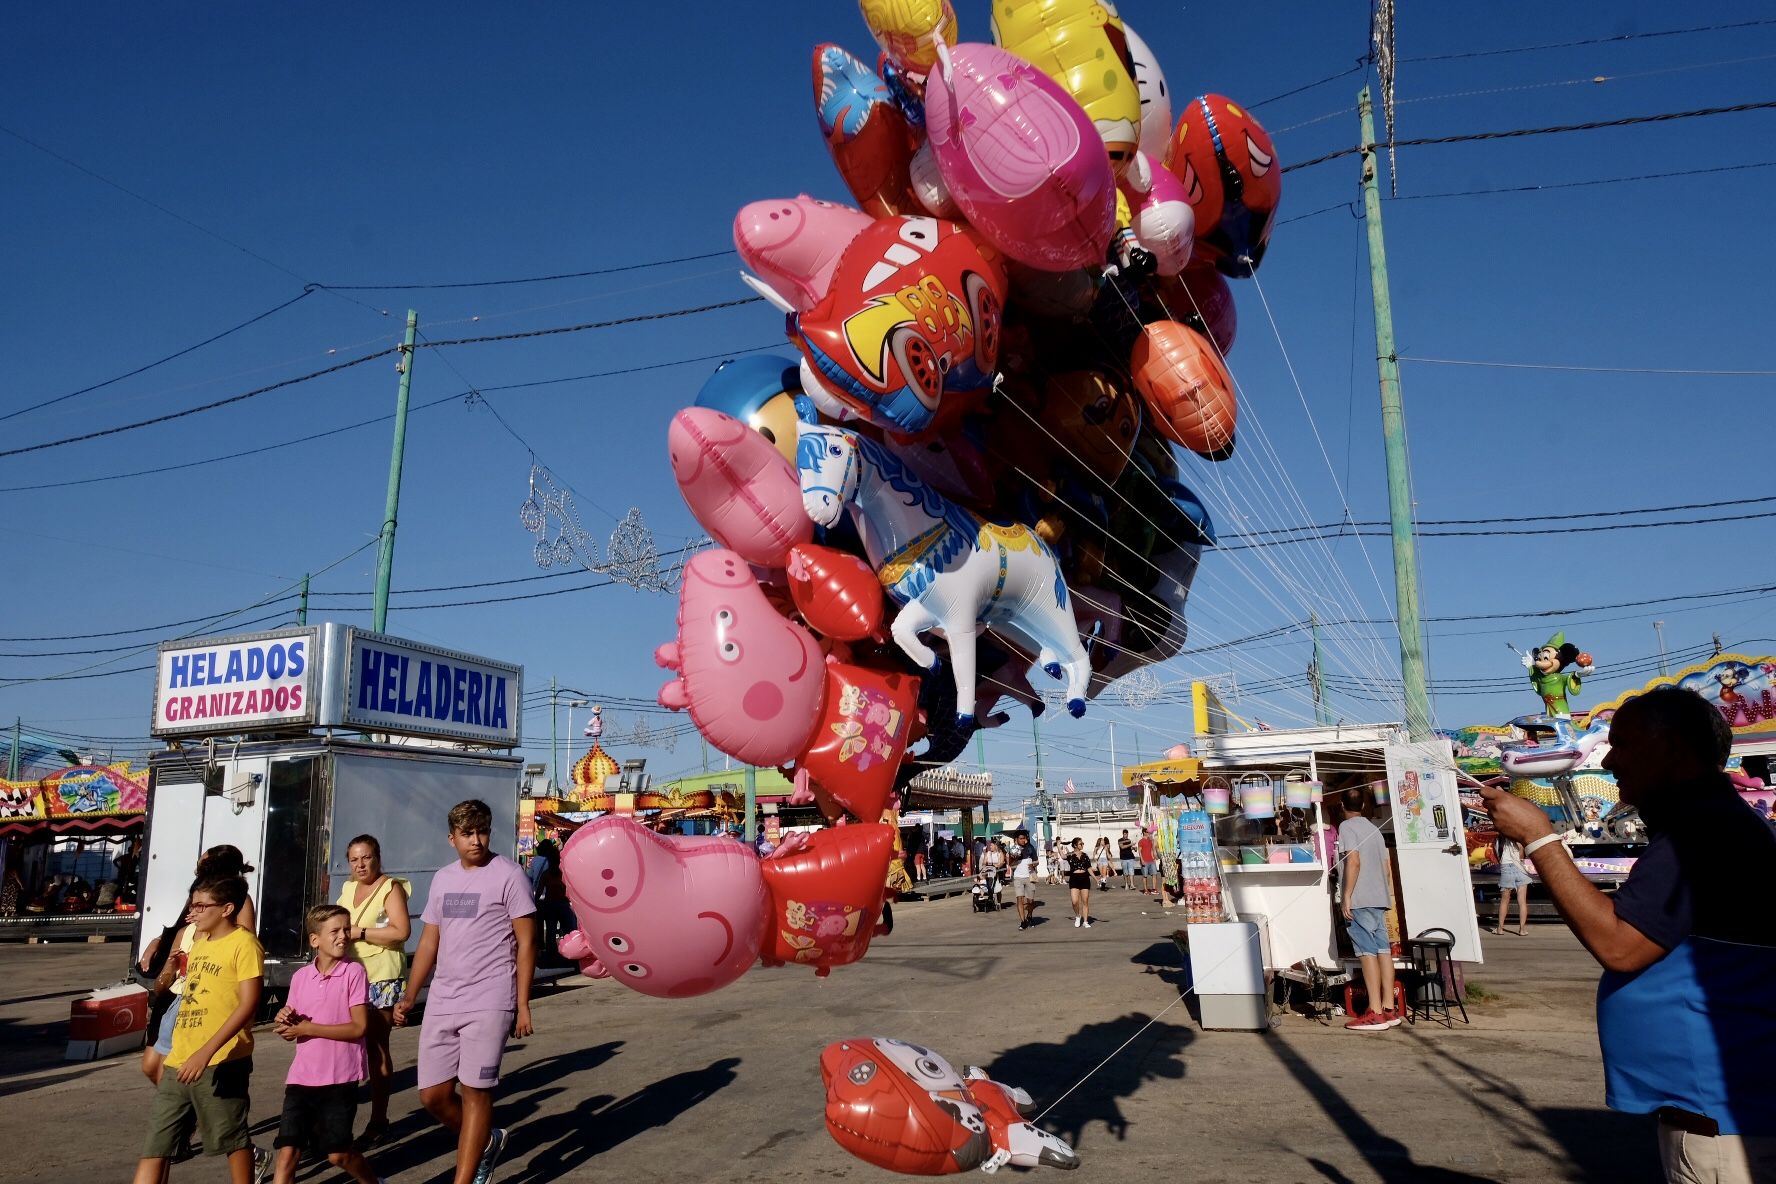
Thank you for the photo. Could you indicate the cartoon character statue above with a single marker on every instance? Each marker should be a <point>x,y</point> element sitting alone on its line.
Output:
<point>1547,672</point>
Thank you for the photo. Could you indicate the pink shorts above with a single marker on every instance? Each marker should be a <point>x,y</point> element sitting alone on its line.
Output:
<point>465,1047</point>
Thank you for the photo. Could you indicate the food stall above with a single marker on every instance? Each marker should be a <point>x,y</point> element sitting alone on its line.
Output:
<point>69,840</point>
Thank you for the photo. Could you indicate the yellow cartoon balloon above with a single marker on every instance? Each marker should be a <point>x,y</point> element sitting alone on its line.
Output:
<point>909,30</point>
<point>1080,44</point>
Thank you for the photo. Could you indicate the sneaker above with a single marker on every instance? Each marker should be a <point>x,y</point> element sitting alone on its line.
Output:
<point>1023,925</point>
<point>1394,1016</point>
<point>496,1143</point>
<point>261,1165</point>
<point>1077,922</point>
<point>1088,923</point>
<point>1373,1021</point>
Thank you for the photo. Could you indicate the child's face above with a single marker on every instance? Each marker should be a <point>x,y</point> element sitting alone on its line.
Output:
<point>471,846</point>
<point>331,939</point>
<point>206,913</point>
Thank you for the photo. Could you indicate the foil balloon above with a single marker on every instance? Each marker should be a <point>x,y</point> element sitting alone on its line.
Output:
<point>795,243</point>
<point>910,31</point>
<point>928,185</point>
<point>1021,159</point>
<point>1079,44</point>
<point>753,682</point>
<point>946,567</point>
<point>863,733</point>
<point>913,309</point>
<point>1156,101</point>
<point>1161,219</point>
<point>1230,171</point>
<point>902,1107</point>
<point>759,390</point>
<point>865,132</point>
<point>836,592</point>
<point>669,916</point>
<point>1095,416</point>
<point>1016,1140</point>
<point>826,898</point>
<point>1201,298</point>
<point>1189,393</point>
<point>737,485</point>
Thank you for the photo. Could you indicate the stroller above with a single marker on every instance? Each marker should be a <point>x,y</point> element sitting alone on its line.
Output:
<point>985,893</point>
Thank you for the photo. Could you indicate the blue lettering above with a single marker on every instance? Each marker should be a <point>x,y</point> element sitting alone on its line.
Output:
<point>198,675</point>
<point>474,712</point>
<point>298,658</point>
<point>369,676</point>
<point>405,702</point>
<point>497,717</point>
<point>255,664</point>
<point>391,675</point>
<point>422,693</point>
<point>236,672</point>
<point>274,661</point>
<point>180,673</point>
<point>441,692</point>
<point>459,679</point>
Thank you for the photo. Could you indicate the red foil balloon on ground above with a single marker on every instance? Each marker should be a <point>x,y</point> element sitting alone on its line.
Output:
<point>901,1107</point>
<point>827,897</point>
<point>1188,391</point>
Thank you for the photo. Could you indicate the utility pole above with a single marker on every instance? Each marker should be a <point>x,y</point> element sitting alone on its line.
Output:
<point>1393,433</point>
<point>752,797</point>
<point>12,762</point>
<point>1659,630</point>
<point>554,741</point>
<point>1316,675</point>
<point>385,556</point>
<point>302,605</point>
<point>1042,802</point>
<point>1115,770</point>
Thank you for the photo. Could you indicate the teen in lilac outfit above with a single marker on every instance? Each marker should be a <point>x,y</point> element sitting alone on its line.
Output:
<point>480,938</point>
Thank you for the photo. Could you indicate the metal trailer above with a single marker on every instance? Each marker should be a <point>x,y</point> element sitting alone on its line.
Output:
<point>292,806</point>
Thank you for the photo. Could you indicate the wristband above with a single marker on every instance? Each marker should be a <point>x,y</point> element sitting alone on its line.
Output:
<point>1536,845</point>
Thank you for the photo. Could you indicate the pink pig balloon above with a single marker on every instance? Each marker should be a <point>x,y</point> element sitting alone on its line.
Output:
<point>669,916</point>
<point>1021,158</point>
<point>738,486</point>
<point>795,243</point>
<point>1161,217</point>
<point>753,680</point>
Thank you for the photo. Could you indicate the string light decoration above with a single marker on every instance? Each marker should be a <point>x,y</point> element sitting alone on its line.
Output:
<point>1381,36</point>
<point>1140,689</point>
<point>632,556</point>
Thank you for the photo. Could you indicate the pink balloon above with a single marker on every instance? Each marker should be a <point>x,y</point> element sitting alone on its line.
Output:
<point>738,486</point>
<point>794,243</point>
<point>1162,219</point>
<point>1021,158</point>
<point>670,916</point>
<point>753,680</point>
<point>1178,752</point>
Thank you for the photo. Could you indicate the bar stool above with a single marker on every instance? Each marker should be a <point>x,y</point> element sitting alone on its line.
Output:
<point>1436,978</point>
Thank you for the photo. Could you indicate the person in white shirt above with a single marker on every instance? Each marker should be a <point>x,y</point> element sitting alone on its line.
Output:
<point>1023,877</point>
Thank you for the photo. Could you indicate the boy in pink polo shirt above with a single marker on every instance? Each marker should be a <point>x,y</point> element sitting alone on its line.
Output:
<point>325,1015</point>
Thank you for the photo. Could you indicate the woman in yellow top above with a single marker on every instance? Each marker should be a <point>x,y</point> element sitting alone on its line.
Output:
<point>380,926</point>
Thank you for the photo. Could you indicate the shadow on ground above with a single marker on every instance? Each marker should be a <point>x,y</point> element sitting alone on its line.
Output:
<point>1050,1070</point>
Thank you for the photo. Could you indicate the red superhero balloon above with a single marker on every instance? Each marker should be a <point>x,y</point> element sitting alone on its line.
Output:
<point>827,897</point>
<point>1231,178</point>
<point>865,727</point>
<point>835,592</point>
<point>901,1107</point>
<point>1189,393</point>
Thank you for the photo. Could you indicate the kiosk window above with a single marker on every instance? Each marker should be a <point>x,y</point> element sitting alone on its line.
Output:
<point>283,878</point>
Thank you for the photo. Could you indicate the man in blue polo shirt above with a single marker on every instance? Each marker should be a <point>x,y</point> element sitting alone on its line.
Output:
<point>1688,943</point>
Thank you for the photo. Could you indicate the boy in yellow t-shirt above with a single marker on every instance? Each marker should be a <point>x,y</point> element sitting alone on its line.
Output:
<point>205,1081</point>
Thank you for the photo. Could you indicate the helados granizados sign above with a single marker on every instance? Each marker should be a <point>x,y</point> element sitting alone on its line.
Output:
<point>335,676</point>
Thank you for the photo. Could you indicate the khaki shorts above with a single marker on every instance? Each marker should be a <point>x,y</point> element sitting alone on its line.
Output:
<point>215,1104</point>
<point>1021,886</point>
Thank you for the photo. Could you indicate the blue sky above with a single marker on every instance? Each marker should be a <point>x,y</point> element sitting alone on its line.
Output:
<point>461,142</point>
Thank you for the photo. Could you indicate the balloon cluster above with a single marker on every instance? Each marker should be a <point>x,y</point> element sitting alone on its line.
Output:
<point>906,1108</point>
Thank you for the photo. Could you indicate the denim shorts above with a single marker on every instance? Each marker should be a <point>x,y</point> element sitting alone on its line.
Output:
<point>163,1040</point>
<point>1369,931</point>
<point>1512,875</point>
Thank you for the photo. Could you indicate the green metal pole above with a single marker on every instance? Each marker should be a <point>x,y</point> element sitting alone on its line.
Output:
<point>385,557</point>
<point>1317,675</point>
<point>554,741</point>
<point>1041,790</point>
<point>1393,432</point>
<point>12,763</point>
<point>302,605</point>
<point>752,797</point>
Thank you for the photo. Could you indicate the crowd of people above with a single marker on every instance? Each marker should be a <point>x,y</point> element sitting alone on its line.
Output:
<point>477,951</point>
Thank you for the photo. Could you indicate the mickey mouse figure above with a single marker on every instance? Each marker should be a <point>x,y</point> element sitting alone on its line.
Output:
<point>1547,672</point>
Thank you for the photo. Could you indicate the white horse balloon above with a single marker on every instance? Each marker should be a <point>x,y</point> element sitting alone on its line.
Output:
<point>946,567</point>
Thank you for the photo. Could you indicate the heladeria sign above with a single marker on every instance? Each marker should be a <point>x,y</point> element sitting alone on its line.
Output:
<point>395,685</point>
<point>249,683</point>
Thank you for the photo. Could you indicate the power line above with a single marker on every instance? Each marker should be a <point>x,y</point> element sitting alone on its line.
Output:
<point>1490,53</point>
<point>1371,530</point>
<point>1520,132</point>
<point>638,318</point>
<point>1362,64</point>
<point>303,295</point>
<point>1586,369</point>
<point>528,279</point>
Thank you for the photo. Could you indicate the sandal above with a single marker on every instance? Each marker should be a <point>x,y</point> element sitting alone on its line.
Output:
<point>1497,932</point>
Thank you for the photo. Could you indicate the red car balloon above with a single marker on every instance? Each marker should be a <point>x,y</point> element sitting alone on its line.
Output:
<point>914,309</point>
<point>864,731</point>
<point>901,1107</point>
<point>1189,392</point>
<point>827,897</point>
<point>1231,178</point>
<point>836,592</point>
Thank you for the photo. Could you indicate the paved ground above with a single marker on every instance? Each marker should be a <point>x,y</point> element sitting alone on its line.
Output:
<point>619,1086</point>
